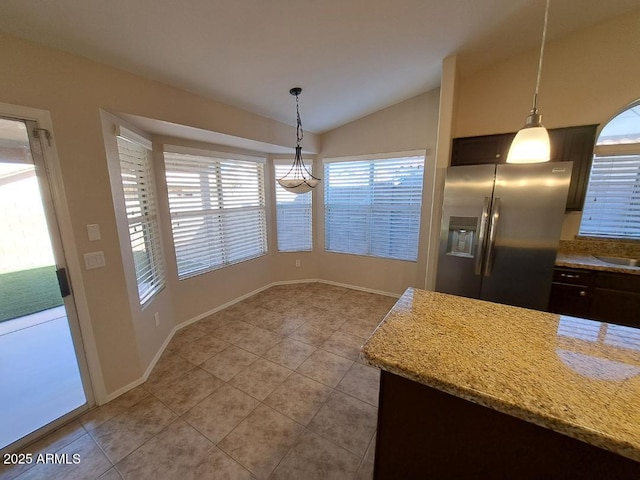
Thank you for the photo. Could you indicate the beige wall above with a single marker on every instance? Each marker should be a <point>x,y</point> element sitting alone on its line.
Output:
<point>587,78</point>
<point>74,90</point>
<point>410,125</point>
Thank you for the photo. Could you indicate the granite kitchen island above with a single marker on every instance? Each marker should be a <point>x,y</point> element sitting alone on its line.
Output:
<point>472,389</point>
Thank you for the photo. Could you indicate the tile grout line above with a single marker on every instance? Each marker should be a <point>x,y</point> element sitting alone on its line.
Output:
<point>363,459</point>
<point>140,446</point>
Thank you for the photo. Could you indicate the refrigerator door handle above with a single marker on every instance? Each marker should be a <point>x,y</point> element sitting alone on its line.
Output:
<point>495,215</point>
<point>482,241</point>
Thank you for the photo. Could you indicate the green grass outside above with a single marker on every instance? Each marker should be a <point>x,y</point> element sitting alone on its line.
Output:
<point>28,291</point>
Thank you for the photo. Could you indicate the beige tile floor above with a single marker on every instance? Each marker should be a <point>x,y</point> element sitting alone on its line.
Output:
<point>268,388</point>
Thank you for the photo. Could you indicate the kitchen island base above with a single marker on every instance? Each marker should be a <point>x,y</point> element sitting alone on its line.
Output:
<point>426,433</point>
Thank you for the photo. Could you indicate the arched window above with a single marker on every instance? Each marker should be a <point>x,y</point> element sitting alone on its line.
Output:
<point>612,204</point>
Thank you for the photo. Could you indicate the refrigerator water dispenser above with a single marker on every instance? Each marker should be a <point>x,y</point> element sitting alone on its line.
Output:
<point>462,236</point>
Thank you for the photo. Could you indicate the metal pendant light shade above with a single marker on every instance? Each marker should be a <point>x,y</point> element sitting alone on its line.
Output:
<point>531,144</point>
<point>298,179</point>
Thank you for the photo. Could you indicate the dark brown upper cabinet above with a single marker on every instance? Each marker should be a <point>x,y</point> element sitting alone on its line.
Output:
<point>570,144</point>
<point>483,149</point>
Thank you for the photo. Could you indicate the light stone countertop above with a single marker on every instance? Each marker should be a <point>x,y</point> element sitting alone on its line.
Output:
<point>589,262</point>
<point>577,377</point>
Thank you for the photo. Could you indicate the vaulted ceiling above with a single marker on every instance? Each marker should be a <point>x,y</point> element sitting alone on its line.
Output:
<point>351,57</point>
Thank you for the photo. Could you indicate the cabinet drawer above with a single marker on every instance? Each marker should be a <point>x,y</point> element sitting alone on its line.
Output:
<point>618,281</point>
<point>573,277</point>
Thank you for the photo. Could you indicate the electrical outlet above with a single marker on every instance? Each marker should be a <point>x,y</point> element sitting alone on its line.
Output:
<point>157,318</point>
<point>297,262</point>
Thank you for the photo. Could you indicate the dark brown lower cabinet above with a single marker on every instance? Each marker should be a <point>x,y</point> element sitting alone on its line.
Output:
<point>606,296</point>
<point>615,306</point>
<point>569,299</point>
<point>424,433</point>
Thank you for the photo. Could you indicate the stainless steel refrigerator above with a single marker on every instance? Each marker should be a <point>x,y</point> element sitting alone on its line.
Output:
<point>500,231</point>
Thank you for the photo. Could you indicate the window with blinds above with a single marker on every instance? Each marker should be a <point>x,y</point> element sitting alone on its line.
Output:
<point>612,203</point>
<point>293,215</point>
<point>217,206</point>
<point>140,203</point>
<point>372,206</point>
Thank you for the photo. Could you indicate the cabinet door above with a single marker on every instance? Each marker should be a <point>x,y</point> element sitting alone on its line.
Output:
<point>616,306</point>
<point>574,144</point>
<point>569,299</point>
<point>480,150</point>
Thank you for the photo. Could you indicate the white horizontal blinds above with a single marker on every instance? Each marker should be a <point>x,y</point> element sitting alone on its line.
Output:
<point>612,203</point>
<point>142,216</point>
<point>293,216</point>
<point>372,207</point>
<point>217,210</point>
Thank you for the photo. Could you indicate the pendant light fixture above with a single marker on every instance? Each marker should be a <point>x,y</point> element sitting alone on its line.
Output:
<point>298,179</point>
<point>531,144</point>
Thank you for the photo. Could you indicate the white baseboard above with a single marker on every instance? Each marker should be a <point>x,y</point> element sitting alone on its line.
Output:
<point>186,323</point>
<point>293,282</point>
<point>159,353</point>
<point>243,297</point>
<point>362,289</point>
<point>123,390</point>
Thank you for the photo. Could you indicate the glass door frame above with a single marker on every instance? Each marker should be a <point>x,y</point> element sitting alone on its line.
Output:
<point>54,205</point>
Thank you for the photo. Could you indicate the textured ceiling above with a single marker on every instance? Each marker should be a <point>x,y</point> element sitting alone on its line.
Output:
<point>351,57</point>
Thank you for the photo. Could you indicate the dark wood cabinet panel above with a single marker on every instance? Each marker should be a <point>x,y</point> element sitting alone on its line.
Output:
<point>615,306</point>
<point>426,433</point>
<point>617,281</point>
<point>606,296</point>
<point>569,299</point>
<point>480,150</point>
<point>573,276</point>
<point>573,144</point>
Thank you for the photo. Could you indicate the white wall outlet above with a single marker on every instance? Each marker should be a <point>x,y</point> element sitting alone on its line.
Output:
<point>298,262</point>
<point>156,316</point>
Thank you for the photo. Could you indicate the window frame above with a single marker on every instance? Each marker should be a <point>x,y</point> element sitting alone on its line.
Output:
<point>608,152</point>
<point>368,217</point>
<point>216,218</point>
<point>150,280</point>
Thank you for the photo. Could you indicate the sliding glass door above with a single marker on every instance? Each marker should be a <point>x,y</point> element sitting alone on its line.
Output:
<point>39,369</point>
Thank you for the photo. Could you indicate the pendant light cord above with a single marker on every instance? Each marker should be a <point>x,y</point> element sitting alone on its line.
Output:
<point>544,38</point>
<point>299,130</point>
